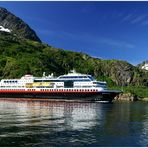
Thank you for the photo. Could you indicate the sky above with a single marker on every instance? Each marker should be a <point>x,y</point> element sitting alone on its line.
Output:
<point>106,30</point>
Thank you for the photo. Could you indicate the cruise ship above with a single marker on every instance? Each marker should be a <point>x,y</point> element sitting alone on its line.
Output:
<point>69,87</point>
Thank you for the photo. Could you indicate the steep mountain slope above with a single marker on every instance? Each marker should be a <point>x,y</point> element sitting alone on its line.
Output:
<point>16,26</point>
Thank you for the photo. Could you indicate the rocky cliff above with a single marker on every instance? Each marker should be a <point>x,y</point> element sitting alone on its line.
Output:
<point>16,26</point>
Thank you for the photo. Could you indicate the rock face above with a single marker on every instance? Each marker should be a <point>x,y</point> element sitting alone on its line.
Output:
<point>123,73</point>
<point>143,65</point>
<point>145,99</point>
<point>16,26</point>
<point>126,97</point>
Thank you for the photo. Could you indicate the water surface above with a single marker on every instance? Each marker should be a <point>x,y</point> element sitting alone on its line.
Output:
<point>73,124</point>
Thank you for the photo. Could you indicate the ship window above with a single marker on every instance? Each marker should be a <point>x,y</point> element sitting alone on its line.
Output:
<point>91,78</point>
<point>72,77</point>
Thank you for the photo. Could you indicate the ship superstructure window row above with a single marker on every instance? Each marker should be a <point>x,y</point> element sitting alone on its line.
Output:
<point>81,80</point>
<point>72,77</point>
<point>10,81</point>
<point>76,77</point>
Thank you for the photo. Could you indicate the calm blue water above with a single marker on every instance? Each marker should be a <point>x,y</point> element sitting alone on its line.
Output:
<point>73,124</point>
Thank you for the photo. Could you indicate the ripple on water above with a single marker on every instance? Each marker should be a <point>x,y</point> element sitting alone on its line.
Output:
<point>73,124</point>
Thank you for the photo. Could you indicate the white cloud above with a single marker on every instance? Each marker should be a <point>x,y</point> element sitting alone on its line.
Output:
<point>116,43</point>
<point>128,17</point>
<point>136,18</point>
<point>88,38</point>
<point>144,23</point>
<point>139,19</point>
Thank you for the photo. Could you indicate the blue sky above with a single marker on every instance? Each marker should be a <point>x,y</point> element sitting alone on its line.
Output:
<point>107,30</point>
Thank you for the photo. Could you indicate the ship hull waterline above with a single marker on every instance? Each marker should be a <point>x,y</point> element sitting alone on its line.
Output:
<point>60,96</point>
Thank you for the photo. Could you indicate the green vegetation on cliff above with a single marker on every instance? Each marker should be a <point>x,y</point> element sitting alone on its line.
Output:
<point>20,56</point>
<point>139,91</point>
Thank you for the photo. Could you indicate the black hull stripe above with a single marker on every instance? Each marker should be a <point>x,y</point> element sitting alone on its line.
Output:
<point>91,96</point>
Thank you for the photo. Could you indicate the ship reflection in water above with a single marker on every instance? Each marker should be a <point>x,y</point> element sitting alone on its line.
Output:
<point>34,123</point>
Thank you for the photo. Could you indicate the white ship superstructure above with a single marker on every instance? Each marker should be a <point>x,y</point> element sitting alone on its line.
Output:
<point>16,83</point>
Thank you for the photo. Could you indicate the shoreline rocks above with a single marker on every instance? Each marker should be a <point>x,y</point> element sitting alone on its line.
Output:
<point>126,97</point>
<point>145,99</point>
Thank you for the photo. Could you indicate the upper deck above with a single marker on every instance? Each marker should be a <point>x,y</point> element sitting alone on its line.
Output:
<point>71,79</point>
